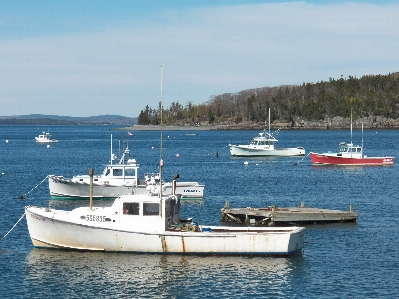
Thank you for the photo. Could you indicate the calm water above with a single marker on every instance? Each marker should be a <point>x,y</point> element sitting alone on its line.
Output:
<point>339,261</point>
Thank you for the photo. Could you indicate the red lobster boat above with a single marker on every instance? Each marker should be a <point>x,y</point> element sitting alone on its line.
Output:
<point>349,154</point>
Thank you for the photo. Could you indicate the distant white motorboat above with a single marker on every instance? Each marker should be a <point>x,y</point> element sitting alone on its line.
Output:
<point>118,179</point>
<point>45,137</point>
<point>150,223</point>
<point>263,145</point>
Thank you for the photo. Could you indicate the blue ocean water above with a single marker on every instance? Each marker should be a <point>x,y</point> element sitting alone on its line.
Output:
<point>355,260</point>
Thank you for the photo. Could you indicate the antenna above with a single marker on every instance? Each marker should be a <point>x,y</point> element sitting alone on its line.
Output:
<point>160,152</point>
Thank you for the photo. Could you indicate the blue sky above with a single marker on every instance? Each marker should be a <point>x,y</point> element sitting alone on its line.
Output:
<point>85,58</point>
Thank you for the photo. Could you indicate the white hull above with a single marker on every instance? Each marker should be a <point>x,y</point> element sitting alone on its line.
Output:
<point>46,141</point>
<point>103,230</point>
<point>249,150</point>
<point>64,188</point>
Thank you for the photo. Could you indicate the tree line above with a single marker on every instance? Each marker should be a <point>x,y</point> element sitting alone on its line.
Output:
<point>368,96</point>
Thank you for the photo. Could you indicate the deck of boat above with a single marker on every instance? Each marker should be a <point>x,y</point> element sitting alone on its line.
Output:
<point>282,216</point>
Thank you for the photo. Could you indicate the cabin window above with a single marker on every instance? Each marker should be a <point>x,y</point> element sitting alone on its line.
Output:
<point>117,172</point>
<point>131,208</point>
<point>150,209</point>
<point>130,172</point>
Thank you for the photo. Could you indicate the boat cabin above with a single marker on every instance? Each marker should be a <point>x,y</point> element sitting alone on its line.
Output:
<point>114,174</point>
<point>148,213</point>
<point>44,136</point>
<point>348,149</point>
<point>263,141</point>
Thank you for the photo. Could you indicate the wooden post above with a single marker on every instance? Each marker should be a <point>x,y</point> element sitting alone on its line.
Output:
<point>91,172</point>
<point>350,208</point>
<point>302,204</point>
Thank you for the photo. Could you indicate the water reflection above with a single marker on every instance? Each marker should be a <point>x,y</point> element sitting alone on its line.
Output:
<point>117,275</point>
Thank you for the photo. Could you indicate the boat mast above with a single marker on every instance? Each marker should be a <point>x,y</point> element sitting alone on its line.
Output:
<point>351,147</point>
<point>269,121</point>
<point>362,140</point>
<point>351,125</point>
<point>160,152</point>
<point>111,151</point>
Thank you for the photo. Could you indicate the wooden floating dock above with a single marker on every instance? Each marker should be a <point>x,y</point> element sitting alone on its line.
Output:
<point>282,216</point>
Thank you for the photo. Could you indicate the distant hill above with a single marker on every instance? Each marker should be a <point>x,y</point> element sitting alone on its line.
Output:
<point>42,119</point>
<point>371,99</point>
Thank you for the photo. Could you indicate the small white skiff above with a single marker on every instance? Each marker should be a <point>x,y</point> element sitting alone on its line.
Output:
<point>45,138</point>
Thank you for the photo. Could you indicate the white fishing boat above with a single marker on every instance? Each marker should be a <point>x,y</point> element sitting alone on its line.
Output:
<point>150,223</point>
<point>117,179</point>
<point>263,145</point>
<point>45,137</point>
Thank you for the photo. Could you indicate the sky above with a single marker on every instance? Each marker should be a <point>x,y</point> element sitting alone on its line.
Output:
<point>95,57</point>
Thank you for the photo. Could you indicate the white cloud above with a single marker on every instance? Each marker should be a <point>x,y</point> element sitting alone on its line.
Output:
<point>204,52</point>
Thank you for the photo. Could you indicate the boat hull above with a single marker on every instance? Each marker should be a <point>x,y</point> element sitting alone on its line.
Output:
<point>51,229</point>
<point>45,141</point>
<point>251,151</point>
<point>61,188</point>
<point>335,159</point>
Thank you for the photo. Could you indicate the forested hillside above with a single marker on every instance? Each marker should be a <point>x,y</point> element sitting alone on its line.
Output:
<point>370,97</point>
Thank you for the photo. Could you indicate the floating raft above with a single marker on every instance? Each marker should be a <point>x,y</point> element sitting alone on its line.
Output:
<point>282,216</point>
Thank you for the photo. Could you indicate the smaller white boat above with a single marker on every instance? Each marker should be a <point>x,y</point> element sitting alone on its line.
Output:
<point>263,145</point>
<point>118,179</point>
<point>45,137</point>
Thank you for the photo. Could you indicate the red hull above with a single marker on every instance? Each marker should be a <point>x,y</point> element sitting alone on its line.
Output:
<point>327,159</point>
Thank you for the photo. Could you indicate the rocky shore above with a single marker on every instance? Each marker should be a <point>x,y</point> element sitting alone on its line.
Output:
<point>335,123</point>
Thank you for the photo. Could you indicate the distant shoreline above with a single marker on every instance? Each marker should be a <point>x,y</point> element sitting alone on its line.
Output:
<point>252,128</point>
<point>167,128</point>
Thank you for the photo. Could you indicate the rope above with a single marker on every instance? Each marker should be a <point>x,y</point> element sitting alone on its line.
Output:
<point>23,215</point>
<point>216,152</point>
<point>302,159</point>
<point>22,196</point>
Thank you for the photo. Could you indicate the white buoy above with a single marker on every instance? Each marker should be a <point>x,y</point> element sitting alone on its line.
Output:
<point>246,163</point>
<point>152,148</point>
<point>7,141</point>
<point>177,155</point>
<point>48,145</point>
